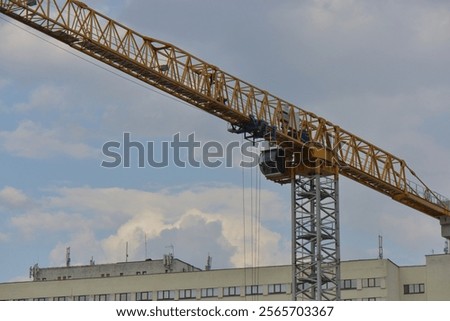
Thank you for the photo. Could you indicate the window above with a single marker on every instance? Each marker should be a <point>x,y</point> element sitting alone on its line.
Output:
<point>101,297</point>
<point>59,298</point>
<point>369,299</point>
<point>187,294</point>
<point>371,283</point>
<point>209,292</point>
<point>80,298</point>
<point>232,291</point>
<point>253,290</point>
<point>348,284</point>
<point>144,296</point>
<point>277,288</point>
<point>414,288</point>
<point>122,297</point>
<point>166,295</point>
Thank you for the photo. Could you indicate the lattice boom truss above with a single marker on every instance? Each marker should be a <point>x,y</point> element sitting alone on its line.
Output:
<point>201,84</point>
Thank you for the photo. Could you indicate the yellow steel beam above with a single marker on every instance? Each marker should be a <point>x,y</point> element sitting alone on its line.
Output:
<point>207,87</point>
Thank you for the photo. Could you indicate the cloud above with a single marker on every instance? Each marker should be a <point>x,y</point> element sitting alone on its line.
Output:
<point>45,98</point>
<point>13,198</point>
<point>347,48</point>
<point>365,214</point>
<point>432,25</point>
<point>202,220</point>
<point>196,221</point>
<point>345,15</point>
<point>3,237</point>
<point>192,236</point>
<point>84,246</point>
<point>38,221</point>
<point>3,82</point>
<point>402,125</point>
<point>416,235</point>
<point>31,140</point>
<point>25,52</point>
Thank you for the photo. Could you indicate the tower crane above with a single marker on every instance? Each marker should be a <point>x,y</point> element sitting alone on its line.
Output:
<point>307,151</point>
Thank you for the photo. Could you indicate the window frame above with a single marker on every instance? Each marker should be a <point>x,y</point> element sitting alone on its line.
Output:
<point>232,291</point>
<point>165,295</point>
<point>186,294</point>
<point>348,284</point>
<point>253,290</point>
<point>371,283</point>
<point>147,294</point>
<point>414,288</point>
<point>277,288</point>
<point>209,292</point>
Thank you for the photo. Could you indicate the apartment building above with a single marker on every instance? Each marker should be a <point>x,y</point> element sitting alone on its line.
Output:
<point>173,279</point>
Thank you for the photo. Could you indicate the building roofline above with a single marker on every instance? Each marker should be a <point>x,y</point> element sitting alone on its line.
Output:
<point>375,259</point>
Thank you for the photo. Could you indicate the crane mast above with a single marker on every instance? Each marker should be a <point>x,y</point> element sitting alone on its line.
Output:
<point>308,152</point>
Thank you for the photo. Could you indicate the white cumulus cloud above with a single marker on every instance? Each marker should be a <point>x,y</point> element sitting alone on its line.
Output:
<point>196,221</point>
<point>32,140</point>
<point>13,197</point>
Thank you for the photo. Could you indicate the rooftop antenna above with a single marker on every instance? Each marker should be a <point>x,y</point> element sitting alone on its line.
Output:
<point>172,253</point>
<point>208,263</point>
<point>380,247</point>
<point>34,271</point>
<point>126,252</point>
<point>92,262</point>
<point>168,258</point>
<point>145,244</point>
<point>68,256</point>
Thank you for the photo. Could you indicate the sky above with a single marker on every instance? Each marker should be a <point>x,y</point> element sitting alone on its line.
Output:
<point>379,69</point>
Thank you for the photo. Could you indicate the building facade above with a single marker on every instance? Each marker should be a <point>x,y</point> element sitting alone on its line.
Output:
<point>162,280</point>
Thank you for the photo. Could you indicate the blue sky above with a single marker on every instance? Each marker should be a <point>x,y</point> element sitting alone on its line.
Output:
<point>378,69</point>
